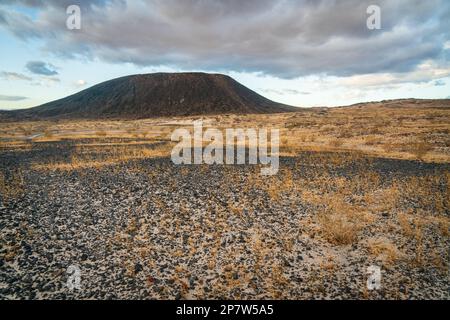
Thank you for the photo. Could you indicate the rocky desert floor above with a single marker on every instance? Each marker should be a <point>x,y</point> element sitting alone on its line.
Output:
<point>139,227</point>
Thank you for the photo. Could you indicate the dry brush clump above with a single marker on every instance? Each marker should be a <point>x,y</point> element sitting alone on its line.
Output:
<point>424,232</point>
<point>372,140</point>
<point>336,143</point>
<point>385,250</point>
<point>12,185</point>
<point>341,222</point>
<point>339,218</point>
<point>420,149</point>
<point>101,133</point>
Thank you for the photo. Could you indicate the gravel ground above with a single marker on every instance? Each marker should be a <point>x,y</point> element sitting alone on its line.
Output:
<point>149,229</point>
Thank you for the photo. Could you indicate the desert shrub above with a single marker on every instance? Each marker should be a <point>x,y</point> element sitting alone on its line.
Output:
<point>346,134</point>
<point>420,149</point>
<point>389,147</point>
<point>292,125</point>
<point>338,228</point>
<point>336,143</point>
<point>48,133</point>
<point>26,131</point>
<point>339,221</point>
<point>327,129</point>
<point>11,185</point>
<point>371,141</point>
<point>385,250</point>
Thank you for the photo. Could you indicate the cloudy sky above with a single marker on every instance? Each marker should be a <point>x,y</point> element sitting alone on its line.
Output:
<point>300,52</point>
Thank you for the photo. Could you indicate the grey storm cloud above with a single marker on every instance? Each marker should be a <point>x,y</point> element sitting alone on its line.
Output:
<point>283,38</point>
<point>41,68</point>
<point>54,3</point>
<point>11,98</point>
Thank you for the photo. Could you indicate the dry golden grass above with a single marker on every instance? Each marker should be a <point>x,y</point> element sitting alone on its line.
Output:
<point>335,143</point>
<point>420,149</point>
<point>101,133</point>
<point>409,131</point>
<point>110,155</point>
<point>418,229</point>
<point>338,229</point>
<point>11,185</point>
<point>338,220</point>
<point>385,250</point>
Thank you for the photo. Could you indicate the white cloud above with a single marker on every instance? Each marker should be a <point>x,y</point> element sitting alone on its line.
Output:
<point>425,72</point>
<point>80,83</point>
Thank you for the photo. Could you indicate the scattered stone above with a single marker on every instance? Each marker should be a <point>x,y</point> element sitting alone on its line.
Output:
<point>138,268</point>
<point>83,217</point>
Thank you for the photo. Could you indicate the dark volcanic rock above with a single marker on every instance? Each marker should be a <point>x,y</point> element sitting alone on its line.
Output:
<point>159,94</point>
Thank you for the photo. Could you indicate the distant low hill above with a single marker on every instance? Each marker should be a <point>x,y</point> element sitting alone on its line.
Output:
<point>404,104</point>
<point>156,95</point>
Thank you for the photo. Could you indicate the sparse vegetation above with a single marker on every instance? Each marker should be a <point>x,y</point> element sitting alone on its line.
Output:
<point>420,149</point>
<point>345,198</point>
<point>11,185</point>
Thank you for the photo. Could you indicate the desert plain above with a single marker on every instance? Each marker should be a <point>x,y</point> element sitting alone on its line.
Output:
<point>359,186</point>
